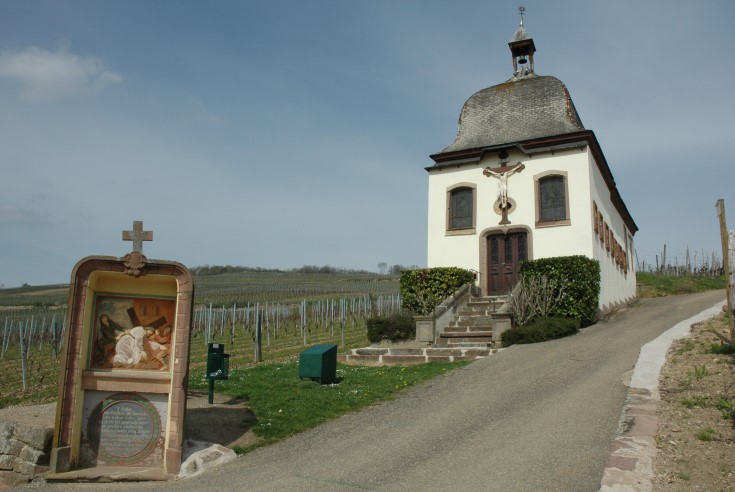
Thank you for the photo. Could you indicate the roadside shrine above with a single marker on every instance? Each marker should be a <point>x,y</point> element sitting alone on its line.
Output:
<point>122,394</point>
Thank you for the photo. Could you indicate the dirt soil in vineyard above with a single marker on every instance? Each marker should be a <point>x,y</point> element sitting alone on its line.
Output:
<point>696,445</point>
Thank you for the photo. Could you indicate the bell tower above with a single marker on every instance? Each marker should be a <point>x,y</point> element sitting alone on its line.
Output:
<point>522,49</point>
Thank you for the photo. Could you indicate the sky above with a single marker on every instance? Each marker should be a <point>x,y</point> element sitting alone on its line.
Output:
<point>279,133</point>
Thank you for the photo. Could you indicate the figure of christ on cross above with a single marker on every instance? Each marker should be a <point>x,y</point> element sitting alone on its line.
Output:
<point>503,173</point>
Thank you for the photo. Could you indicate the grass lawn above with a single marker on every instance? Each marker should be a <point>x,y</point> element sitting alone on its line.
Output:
<point>285,405</point>
<point>655,285</point>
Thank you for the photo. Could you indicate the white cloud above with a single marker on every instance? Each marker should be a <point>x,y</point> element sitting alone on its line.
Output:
<point>47,76</point>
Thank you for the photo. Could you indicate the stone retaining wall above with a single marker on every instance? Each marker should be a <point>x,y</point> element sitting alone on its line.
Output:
<point>24,452</point>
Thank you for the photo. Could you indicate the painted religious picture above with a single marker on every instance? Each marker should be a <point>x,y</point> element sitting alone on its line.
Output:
<point>132,333</point>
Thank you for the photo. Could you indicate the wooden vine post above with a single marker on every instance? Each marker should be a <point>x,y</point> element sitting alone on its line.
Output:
<point>726,265</point>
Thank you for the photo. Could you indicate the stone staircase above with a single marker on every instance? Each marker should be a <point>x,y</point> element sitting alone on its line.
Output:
<point>473,333</point>
<point>474,325</point>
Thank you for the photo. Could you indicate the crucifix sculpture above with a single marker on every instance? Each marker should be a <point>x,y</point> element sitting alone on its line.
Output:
<point>135,261</point>
<point>503,173</point>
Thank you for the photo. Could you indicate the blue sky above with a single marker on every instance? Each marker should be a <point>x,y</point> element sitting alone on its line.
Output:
<point>283,133</point>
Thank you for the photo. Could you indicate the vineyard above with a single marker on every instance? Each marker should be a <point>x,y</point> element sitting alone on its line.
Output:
<point>699,263</point>
<point>258,315</point>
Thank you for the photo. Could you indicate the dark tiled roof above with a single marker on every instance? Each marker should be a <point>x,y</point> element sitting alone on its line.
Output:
<point>516,111</point>
<point>520,35</point>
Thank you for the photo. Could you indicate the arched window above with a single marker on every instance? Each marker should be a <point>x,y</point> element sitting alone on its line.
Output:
<point>461,208</point>
<point>552,200</point>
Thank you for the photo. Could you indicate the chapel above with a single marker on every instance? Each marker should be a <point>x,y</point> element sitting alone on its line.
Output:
<point>524,179</point>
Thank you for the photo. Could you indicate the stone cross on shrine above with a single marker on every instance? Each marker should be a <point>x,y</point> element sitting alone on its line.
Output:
<point>503,172</point>
<point>137,235</point>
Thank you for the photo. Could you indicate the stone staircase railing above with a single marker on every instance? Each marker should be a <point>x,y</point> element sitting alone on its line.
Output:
<point>428,328</point>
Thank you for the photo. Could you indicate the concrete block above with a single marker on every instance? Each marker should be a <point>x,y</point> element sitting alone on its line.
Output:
<point>424,329</point>
<point>201,456</point>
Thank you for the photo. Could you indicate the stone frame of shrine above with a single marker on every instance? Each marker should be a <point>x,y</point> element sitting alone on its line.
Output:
<point>100,404</point>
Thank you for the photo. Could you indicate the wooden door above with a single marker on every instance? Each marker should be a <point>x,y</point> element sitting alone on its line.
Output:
<point>505,252</point>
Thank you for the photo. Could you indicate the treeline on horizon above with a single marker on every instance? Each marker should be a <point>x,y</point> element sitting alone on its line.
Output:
<point>211,270</point>
<point>207,270</point>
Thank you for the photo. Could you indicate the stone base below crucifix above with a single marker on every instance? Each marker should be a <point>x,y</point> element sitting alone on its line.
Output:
<point>504,211</point>
<point>504,220</point>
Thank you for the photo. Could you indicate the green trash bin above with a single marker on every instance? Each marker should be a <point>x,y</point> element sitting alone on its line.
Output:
<point>218,366</point>
<point>218,362</point>
<point>319,362</point>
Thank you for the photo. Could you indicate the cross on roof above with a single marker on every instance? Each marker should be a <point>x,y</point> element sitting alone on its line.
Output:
<point>137,235</point>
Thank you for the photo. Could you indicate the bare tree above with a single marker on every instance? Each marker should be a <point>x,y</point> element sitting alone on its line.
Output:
<point>534,296</point>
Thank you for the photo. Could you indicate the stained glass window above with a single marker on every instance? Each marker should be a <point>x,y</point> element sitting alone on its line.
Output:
<point>522,248</point>
<point>460,208</point>
<point>552,199</point>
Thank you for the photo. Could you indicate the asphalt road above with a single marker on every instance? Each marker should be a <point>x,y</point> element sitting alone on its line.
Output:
<point>533,417</point>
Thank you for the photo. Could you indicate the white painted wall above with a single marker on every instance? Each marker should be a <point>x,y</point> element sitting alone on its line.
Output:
<point>616,285</point>
<point>585,183</point>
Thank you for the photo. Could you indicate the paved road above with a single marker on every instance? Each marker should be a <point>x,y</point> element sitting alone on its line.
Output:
<point>534,417</point>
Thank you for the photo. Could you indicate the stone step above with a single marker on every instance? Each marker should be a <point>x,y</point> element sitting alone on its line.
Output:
<point>443,344</point>
<point>483,309</point>
<point>476,308</point>
<point>375,356</point>
<point>468,329</point>
<point>455,340</point>
<point>475,320</point>
<point>467,334</point>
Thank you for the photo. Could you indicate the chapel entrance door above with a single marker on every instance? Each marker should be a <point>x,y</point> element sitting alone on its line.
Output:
<point>505,252</point>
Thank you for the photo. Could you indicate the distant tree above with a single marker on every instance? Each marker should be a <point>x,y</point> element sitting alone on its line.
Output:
<point>396,269</point>
<point>382,267</point>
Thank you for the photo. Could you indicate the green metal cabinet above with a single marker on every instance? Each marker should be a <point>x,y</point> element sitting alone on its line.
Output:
<point>319,362</point>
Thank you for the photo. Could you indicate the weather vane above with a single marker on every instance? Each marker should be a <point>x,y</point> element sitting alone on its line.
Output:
<point>521,10</point>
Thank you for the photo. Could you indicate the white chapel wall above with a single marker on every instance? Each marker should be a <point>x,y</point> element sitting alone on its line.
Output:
<point>617,286</point>
<point>585,185</point>
<point>462,250</point>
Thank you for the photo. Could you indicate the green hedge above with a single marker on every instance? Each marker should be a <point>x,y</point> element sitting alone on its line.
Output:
<point>581,279</point>
<point>540,330</point>
<point>423,290</point>
<point>394,327</point>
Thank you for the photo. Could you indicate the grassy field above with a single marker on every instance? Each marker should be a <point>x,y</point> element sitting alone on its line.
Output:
<point>653,285</point>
